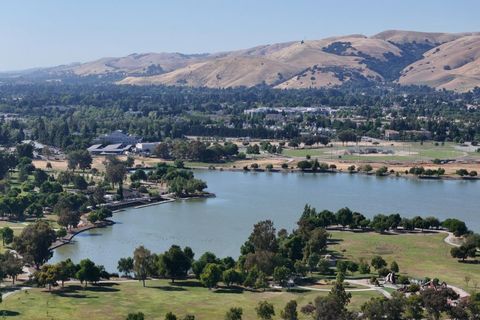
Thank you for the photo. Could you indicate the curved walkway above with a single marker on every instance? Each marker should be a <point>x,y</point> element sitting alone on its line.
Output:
<point>361,282</point>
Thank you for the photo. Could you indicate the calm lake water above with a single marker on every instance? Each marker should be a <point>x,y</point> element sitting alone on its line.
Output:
<point>223,223</point>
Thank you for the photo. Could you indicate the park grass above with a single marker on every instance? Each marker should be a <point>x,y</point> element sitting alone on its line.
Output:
<point>418,255</point>
<point>412,151</point>
<point>314,152</point>
<point>116,300</point>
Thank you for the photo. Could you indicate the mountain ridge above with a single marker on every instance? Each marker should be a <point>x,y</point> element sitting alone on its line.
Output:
<point>391,56</point>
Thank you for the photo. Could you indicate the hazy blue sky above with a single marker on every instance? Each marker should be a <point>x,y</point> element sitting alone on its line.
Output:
<point>37,33</point>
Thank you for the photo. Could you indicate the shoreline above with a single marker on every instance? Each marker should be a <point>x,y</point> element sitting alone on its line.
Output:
<point>296,170</point>
<point>107,223</point>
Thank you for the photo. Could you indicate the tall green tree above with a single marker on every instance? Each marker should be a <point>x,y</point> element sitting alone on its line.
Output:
<point>34,243</point>
<point>142,262</point>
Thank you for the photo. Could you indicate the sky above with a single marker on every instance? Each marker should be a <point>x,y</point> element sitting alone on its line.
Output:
<point>40,33</point>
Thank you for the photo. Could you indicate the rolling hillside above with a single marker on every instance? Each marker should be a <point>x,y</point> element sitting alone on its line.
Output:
<point>439,60</point>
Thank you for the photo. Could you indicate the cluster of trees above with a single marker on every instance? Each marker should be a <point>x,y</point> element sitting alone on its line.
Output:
<point>80,159</point>
<point>264,255</point>
<point>195,150</point>
<point>171,112</point>
<point>468,249</point>
<point>309,140</point>
<point>86,272</point>
<point>421,171</point>
<point>354,220</point>
<point>265,146</point>
<point>434,303</point>
<point>181,182</point>
<point>315,166</point>
<point>465,172</point>
<point>100,214</point>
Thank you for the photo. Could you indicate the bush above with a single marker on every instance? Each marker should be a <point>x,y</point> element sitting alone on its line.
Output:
<point>413,288</point>
<point>403,280</point>
<point>383,272</point>
<point>363,267</point>
<point>62,232</point>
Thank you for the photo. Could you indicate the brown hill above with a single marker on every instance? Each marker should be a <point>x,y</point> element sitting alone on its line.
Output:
<point>439,60</point>
<point>454,65</point>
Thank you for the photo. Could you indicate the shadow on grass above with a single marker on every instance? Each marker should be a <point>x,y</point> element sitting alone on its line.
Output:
<point>77,291</point>
<point>168,288</point>
<point>235,290</point>
<point>187,283</point>
<point>9,313</point>
<point>469,261</point>
<point>73,295</point>
<point>297,290</point>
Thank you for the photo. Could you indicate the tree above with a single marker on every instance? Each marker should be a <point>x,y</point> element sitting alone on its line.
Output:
<point>68,218</point>
<point>313,260</point>
<point>103,213</point>
<point>211,275</point>
<point>436,301</point>
<point>263,236</point>
<point>34,243</point>
<point>66,270</point>
<point>329,308</point>
<point>363,267</point>
<point>88,272</point>
<point>170,316</point>
<point>347,136</point>
<point>34,210</point>
<point>414,307</point>
<point>115,172</point>
<point>383,308</point>
<point>199,265</point>
<point>378,262</point>
<point>344,216</point>
<point>457,227</point>
<point>39,177</point>
<point>142,263</point>
<point>261,282</point>
<point>281,275</point>
<point>394,267</point>
<point>79,182</point>
<point>174,263</point>
<point>7,235</point>
<point>47,275</point>
<point>265,310</point>
<point>80,158</point>
<point>231,276</point>
<point>290,311</point>
<point>234,314</point>
<point>125,265</point>
<point>138,175</point>
<point>25,150</point>
<point>7,161</point>
<point>304,165</point>
<point>12,265</point>
<point>136,316</point>
<point>463,252</point>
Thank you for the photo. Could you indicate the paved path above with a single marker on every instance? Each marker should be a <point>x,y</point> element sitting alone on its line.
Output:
<point>361,282</point>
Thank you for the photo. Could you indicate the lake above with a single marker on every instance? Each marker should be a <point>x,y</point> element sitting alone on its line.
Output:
<point>222,224</point>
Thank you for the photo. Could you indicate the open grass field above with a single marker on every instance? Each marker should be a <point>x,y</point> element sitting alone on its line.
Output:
<point>117,300</point>
<point>411,151</point>
<point>418,255</point>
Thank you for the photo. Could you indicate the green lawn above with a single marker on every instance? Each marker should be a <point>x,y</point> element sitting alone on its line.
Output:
<point>418,255</point>
<point>407,152</point>
<point>117,300</point>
